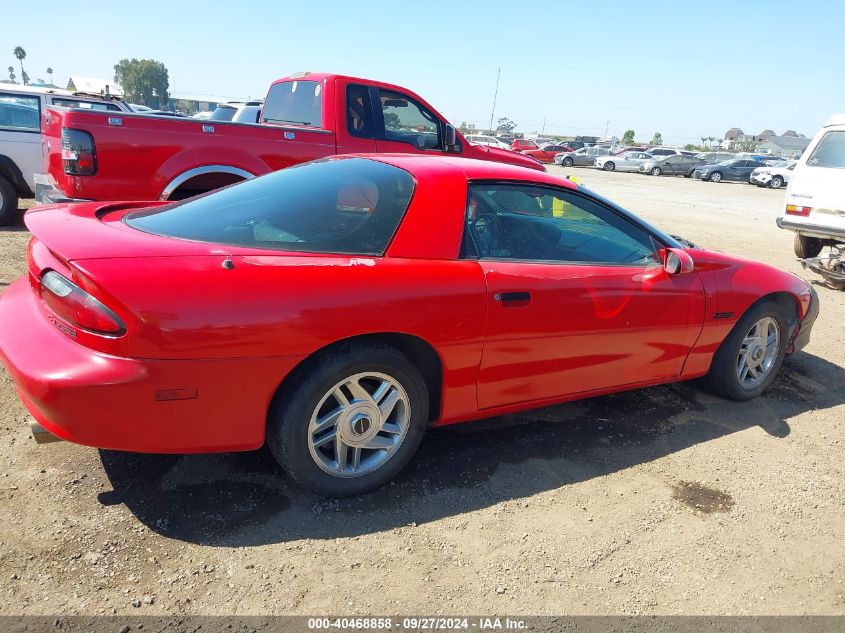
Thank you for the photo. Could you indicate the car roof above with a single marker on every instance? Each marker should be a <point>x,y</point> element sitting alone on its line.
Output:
<point>473,169</point>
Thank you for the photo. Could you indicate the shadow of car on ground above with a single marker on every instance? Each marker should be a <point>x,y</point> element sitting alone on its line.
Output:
<point>244,499</point>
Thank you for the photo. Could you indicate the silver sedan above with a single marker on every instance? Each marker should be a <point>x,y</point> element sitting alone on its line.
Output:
<point>628,161</point>
<point>584,157</point>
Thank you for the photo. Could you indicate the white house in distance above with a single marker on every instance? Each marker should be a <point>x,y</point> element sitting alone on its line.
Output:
<point>92,85</point>
<point>787,146</point>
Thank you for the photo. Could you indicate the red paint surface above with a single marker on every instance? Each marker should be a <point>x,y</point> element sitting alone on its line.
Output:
<point>233,335</point>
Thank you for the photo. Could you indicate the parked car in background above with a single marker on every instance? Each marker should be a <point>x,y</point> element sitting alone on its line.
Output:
<point>774,176</point>
<point>136,107</point>
<point>672,165</point>
<point>711,158</point>
<point>520,144</point>
<point>305,116</point>
<point>238,111</point>
<point>629,161</point>
<point>621,149</point>
<point>663,151</point>
<point>379,327</point>
<point>573,145</point>
<point>584,157</point>
<point>815,198</point>
<point>490,141</point>
<point>22,111</point>
<point>737,170</point>
<point>205,114</point>
<point>546,153</point>
<point>163,113</point>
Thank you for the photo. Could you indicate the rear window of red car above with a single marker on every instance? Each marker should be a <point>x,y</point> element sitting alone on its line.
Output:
<point>341,206</point>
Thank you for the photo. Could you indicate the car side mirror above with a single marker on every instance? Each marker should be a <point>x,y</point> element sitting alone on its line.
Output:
<point>677,261</point>
<point>450,138</point>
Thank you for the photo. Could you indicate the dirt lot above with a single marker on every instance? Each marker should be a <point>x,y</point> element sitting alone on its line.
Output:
<point>663,501</point>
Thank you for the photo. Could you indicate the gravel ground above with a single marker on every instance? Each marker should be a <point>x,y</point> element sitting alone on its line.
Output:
<point>661,501</point>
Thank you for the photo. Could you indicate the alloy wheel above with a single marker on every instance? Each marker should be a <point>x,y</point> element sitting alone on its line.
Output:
<point>359,424</point>
<point>758,353</point>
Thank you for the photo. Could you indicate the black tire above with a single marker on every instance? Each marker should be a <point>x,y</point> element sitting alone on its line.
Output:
<point>656,171</point>
<point>287,427</point>
<point>776,182</point>
<point>609,166</point>
<point>8,203</point>
<point>722,378</point>
<point>716,176</point>
<point>805,247</point>
<point>566,162</point>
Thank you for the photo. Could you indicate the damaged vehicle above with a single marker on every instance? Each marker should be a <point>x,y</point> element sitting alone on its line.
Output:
<point>815,203</point>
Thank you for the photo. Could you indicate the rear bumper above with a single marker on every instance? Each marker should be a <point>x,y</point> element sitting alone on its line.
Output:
<point>90,398</point>
<point>46,191</point>
<point>813,230</point>
<point>802,337</point>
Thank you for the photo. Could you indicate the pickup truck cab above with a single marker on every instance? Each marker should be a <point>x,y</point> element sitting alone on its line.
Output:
<point>307,116</point>
<point>21,109</point>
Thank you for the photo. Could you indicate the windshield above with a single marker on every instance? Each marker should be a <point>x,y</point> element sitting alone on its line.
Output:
<point>345,206</point>
<point>297,102</point>
<point>223,113</point>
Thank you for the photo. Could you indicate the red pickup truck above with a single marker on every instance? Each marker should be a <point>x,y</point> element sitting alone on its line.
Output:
<point>120,156</point>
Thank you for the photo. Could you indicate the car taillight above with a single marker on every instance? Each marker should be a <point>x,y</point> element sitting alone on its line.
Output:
<point>792,209</point>
<point>79,156</point>
<point>72,304</point>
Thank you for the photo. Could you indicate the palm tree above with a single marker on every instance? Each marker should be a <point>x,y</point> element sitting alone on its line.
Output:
<point>20,53</point>
<point>12,74</point>
<point>50,72</point>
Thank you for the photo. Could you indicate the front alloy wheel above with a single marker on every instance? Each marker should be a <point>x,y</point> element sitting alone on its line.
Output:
<point>758,353</point>
<point>567,162</point>
<point>716,176</point>
<point>776,182</point>
<point>656,171</point>
<point>609,166</point>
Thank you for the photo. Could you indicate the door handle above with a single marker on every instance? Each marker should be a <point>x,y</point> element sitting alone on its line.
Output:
<point>512,297</point>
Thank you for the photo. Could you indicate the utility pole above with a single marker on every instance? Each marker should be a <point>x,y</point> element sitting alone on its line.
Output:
<point>543,133</point>
<point>495,94</point>
<point>606,128</point>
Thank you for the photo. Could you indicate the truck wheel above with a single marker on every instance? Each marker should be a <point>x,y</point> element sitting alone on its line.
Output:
<point>8,203</point>
<point>805,247</point>
<point>349,421</point>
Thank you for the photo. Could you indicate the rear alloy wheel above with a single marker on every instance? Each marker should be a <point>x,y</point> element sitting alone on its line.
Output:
<point>656,171</point>
<point>805,247</point>
<point>349,422</point>
<point>776,182</point>
<point>609,166</point>
<point>566,162</point>
<point>749,358</point>
<point>8,203</point>
<point>716,176</point>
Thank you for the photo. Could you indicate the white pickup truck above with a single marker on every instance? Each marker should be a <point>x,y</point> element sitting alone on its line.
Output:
<point>21,117</point>
<point>815,203</point>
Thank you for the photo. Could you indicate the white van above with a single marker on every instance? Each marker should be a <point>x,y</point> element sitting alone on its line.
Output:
<point>21,116</point>
<point>815,198</point>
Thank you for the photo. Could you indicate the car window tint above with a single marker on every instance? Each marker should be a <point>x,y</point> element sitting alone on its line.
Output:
<point>529,223</point>
<point>359,112</point>
<point>345,206</point>
<point>20,113</point>
<point>406,121</point>
<point>830,152</point>
<point>298,102</point>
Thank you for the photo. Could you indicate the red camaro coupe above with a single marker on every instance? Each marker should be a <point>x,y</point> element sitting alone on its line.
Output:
<point>337,309</point>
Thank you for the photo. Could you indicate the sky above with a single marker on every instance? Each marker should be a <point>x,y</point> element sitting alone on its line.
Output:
<point>682,68</point>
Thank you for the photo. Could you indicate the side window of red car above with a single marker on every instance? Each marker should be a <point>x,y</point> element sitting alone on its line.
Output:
<point>359,112</point>
<point>406,121</point>
<point>542,224</point>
